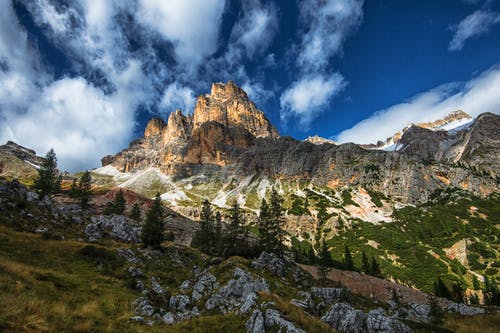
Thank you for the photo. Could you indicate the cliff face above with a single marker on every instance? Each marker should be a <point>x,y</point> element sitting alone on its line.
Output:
<point>228,135</point>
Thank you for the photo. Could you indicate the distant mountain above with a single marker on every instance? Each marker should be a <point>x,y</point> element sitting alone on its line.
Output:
<point>18,162</point>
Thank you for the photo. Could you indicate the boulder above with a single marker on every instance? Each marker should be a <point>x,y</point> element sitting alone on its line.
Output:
<point>116,226</point>
<point>345,319</point>
<point>378,322</point>
<point>255,324</point>
<point>275,318</point>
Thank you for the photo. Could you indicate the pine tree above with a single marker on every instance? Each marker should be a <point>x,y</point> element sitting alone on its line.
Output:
<point>84,189</point>
<point>73,191</point>
<point>263,226</point>
<point>440,289</point>
<point>311,256</point>
<point>135,213</point>
<point>117,206</point>
<point>365,264</point>
<point>275,229</point>
<point>348,263</point>
<point>457,292</point>
<point>203,237</point>
<point>152,232</point>
<point>49,178</point>
<point>233,230</point>
<point>217,241</point>
<point>324,262</point>
<point>375,268</point>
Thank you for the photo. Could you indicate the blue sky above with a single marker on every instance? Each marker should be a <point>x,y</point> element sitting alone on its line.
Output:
<point>84,76</point>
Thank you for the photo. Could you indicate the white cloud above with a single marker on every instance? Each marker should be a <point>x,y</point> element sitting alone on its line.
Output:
<point>257,28</point>
<point>178,97</point>
<point>476,24</point>
<point>304,97</point>
<point>326,25</point>
<point>477,96</point>
<point>79,121</point>
<point>192,25</point>
<point>257,92</point>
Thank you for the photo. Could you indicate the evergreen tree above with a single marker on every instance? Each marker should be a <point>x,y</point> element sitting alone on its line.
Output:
<point>135,213</point>
<point>275,228</point>
<point>117,206</point>
<point>311,256</point>
<point>49,178</point>
<point>375,268</point>
<point>348,263</point>
<point>457,292</point>
<point>440,289</point>
<point>263,224</point>
<point>84,189</point>
<point>203,237</point>
<point>491,291</point>
<point>152,232</point>
<point>324,262</point>
<point>233,230</point>
<point>73,191</point>
<point>365,264</point>
<point>217,241</point>
<point>322,215</point>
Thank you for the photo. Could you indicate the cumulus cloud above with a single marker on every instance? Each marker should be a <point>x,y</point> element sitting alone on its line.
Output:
<point>192,25</point>
<point>474,97</point>
<point>78,120</point>
<point>326,25</point>
<point>310,93</point>
<point>257,28</point>
<point>178,97</point>
<point>478,23</point>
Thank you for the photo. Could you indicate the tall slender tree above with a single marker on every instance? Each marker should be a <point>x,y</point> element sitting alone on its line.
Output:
<point>152,232</point>
<point>348,263</point>
<point>263,226</point>
<point>375,268</point>
<point>325,261</point>
<point>365,264</point>
<point>233,230</point>
<point>84,189</point>
<point>275,226</point>
<point>135,213</point>
<point>203,238</point>
<point>48,181</point>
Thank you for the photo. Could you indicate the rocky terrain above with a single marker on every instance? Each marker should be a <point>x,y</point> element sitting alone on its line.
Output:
<point>177,288</point>
<point>18,162</point>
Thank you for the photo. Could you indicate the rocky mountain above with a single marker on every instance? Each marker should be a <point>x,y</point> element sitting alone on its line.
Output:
<point>18,162</point>
<point>228,141</point>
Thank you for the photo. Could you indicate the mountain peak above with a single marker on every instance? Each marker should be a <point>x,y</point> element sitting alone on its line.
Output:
<point>230,106</point>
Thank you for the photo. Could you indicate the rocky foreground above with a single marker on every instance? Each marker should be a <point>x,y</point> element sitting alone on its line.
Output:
<point>178,285</point>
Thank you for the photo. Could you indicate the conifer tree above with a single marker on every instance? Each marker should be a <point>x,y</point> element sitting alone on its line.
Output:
<point>375,268</point>
<point>84,189</point>
<point>49,178</point>
<point>348,263</point>
<point>152,232</point>
<point>233,230</point>
<point>117,206</point>
<point>203,239</point>
<point>263,226</point>
<point>135,213</point>
<point>73,191</point>
<point>324,262</point>
<point>365,264</point>
<point>217,241</point>
<point>275,229</point>
<point>435,311</point>
<point>440,289</point>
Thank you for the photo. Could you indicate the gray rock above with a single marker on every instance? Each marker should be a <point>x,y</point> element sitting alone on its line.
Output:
<point>345,319</point>
<point>306,302</point>
<point>206,283</point>
<point>32,196</point>
<point>179,302</point>
<point>116,226</point>
<point>185,285</point>
<point>140,285</point>
<point>235,292</point>
<point>41,230</point>
<point>419,312</point>
<point>137,318</point>
<point>274,318</point>
<point>464,309</point>
<point>144,307</point>
<point>135,272</point>
<point>168,318</point>
<point>272,263</point>
<point>156,286</point>
<point>331,295</point>
<point>378,322</point>
<point>248,303</point>
<point>130,256</point>
<point>255,324</point>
